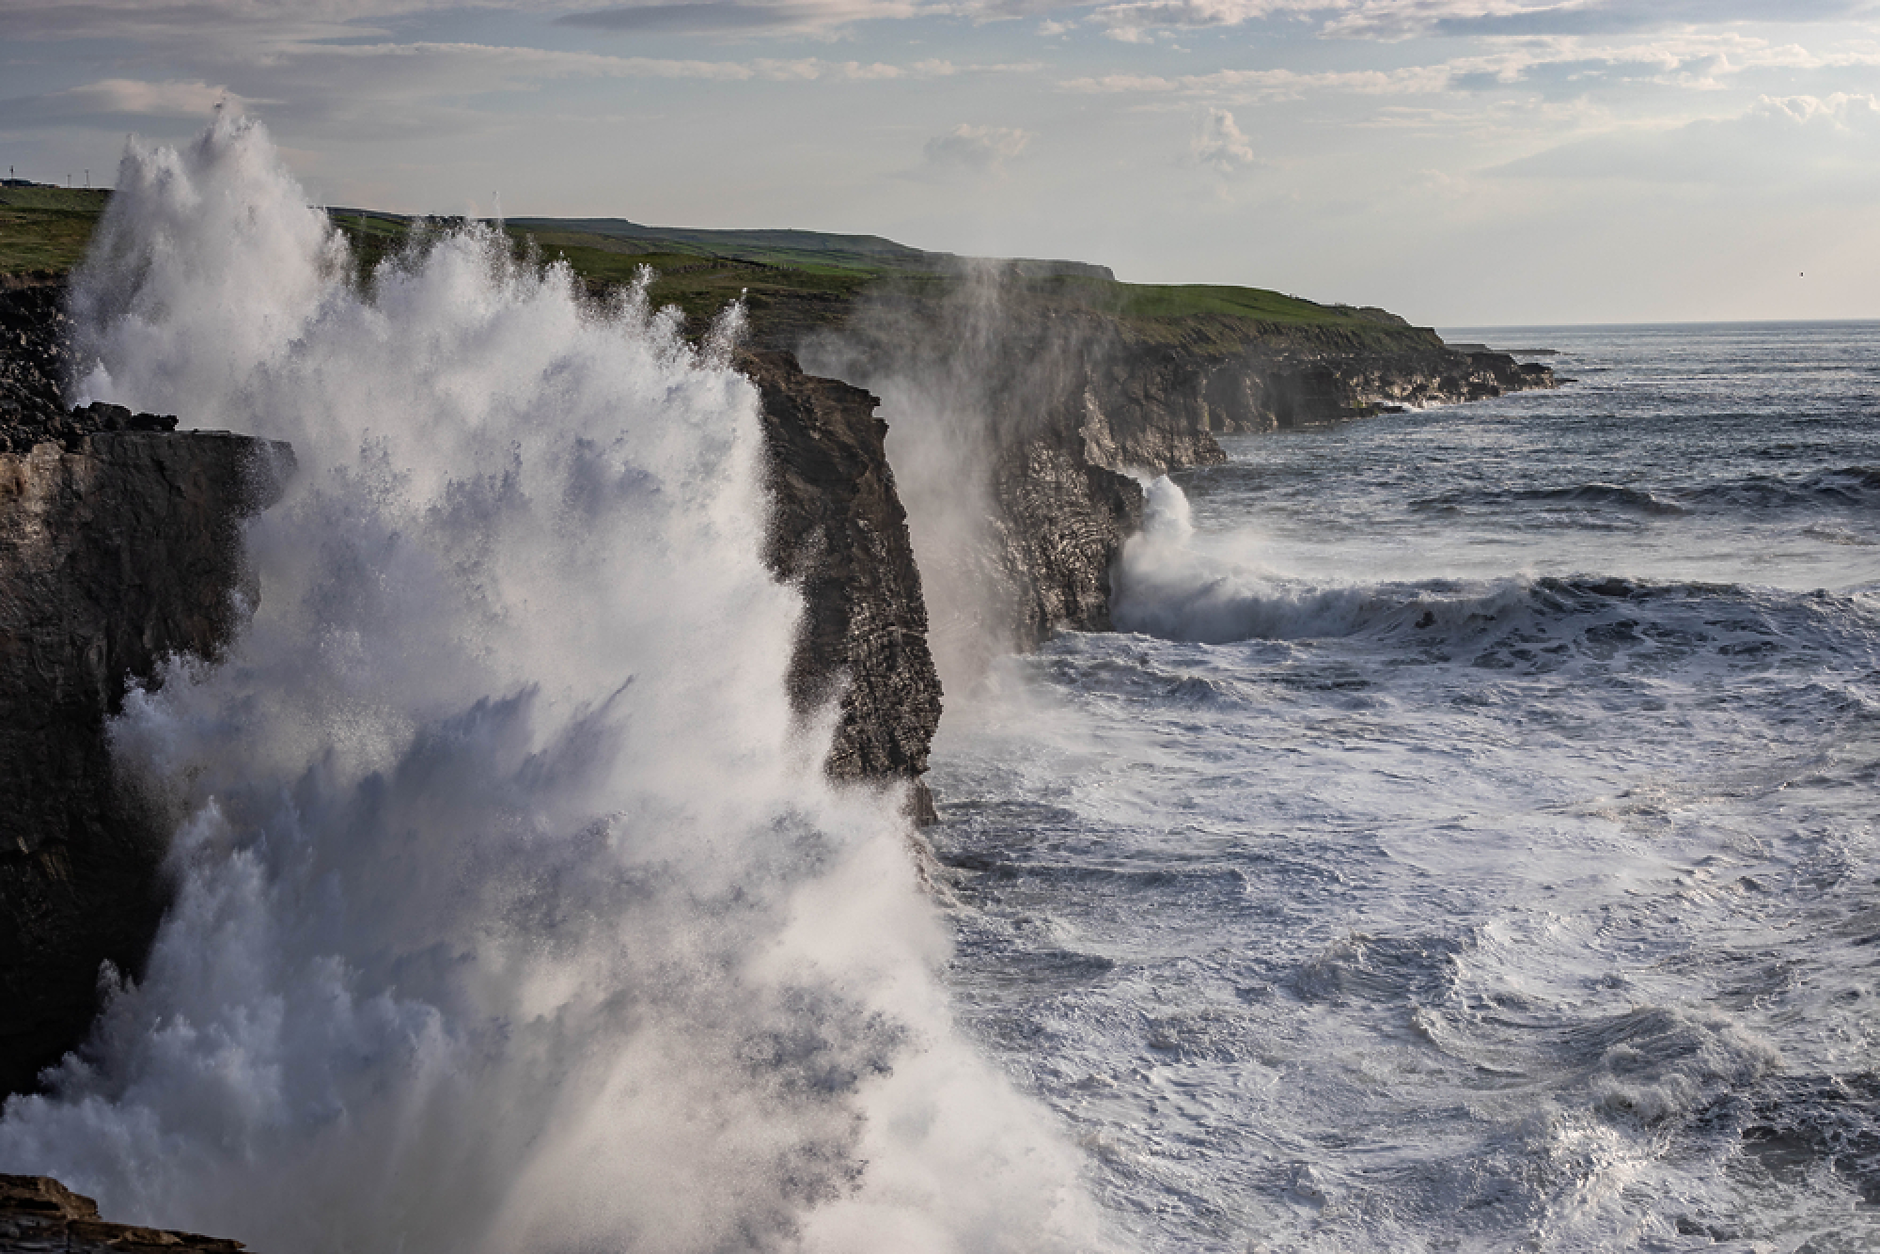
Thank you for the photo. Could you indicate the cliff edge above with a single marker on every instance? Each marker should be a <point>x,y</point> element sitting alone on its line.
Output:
<point>839,533</point>
<point>1044,403</point>
<point>38,1214</point>
<point>120,543</point>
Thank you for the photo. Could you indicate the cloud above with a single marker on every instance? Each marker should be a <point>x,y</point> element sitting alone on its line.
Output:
<point>1407,19</point>
<point>1557,68</point>
<point>116,98</point>
<point>1130,20</point>
<point>1249,85</point>
<point>748,16</point>
<point>381,71</point>
<point>1393,20</point>
<point>979,149</point>
<point>1220,143</point>
<point>379,92</point>
<point>1784,143</point>
<point>234,21</point>
<point>1134,20</point>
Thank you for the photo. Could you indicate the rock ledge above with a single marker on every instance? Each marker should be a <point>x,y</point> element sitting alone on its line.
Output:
<point>40,1215</point>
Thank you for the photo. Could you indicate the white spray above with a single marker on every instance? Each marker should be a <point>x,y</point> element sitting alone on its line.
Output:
<point>509,915</point>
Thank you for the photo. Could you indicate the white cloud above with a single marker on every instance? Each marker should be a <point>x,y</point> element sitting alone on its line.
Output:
<point>1220,143</point>
<point>1781,144</point>
<point>1551,68</point>
<point>975,148</point>
<point>124,98</point>
<point>416,67</point>
<point>741,16</point>
<point>313,19</point>
<point>1407,19</point>
<point>1125,19</point>
<point>1134,20</point>
<point>1250,85</point>
<point>386,91</point>
<point>1395,20</point>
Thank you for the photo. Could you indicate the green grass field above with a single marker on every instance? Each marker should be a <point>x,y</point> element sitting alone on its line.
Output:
<point>46,228</point>
<point>791,281</point>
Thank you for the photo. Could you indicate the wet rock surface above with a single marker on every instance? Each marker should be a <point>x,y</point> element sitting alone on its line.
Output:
<point>839,532</point>
<point>35,358</point>
<point>1283,386</point>
<point>1069,409</point>
<point>119,545</point>
<point>39,1214</point>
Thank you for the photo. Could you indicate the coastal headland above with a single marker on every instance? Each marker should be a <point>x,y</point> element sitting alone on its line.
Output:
<point>1054,386</point>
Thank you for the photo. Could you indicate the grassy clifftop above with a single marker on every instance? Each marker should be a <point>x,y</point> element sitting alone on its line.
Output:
<point>45,229</point>
<point>792,282</point>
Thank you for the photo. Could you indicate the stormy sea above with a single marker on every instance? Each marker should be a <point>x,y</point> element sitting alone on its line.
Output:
<point>1463,844</point>
<point>1468,842</point>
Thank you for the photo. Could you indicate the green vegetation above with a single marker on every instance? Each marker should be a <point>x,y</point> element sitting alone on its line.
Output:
<point>46,228</point>
<point>791,281</point>
<point>1208,319</point>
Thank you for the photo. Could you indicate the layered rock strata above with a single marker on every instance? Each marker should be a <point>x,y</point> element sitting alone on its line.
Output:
<point>1272,389</point>
<point>1062,409</point>
<point>39,1215</point>
<point>839,533</point>
<point>115,551</point>
<point>120,543</point>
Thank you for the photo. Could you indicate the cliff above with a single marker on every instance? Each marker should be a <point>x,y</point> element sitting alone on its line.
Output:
<point>120,543</point>
<point>37,1213</point>
<point>838,531</point>
<point>1057,400</point>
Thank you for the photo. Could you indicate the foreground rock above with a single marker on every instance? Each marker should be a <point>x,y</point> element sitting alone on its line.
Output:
<point>839,533</point>
<point>120,543</point>
<point>40,1215</point>
<point>113,553</point>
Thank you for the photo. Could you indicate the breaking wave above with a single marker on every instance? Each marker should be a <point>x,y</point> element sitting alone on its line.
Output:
<point>512,910</point>
<point>1169,587</point>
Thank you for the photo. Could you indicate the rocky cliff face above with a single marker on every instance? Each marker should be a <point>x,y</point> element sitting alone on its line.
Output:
<point>840,534</point>
<point>39,1214</point>
<point>113,553</point>
<point>120,543</point>
<point>1266,390</point>
<point>1158,407</point>
<point>1054,410</point>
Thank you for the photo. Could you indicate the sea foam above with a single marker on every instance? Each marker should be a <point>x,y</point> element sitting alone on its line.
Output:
<point>512,911</point>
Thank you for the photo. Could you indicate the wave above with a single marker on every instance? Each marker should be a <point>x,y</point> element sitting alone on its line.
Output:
<point>1168,587</point>
<point>1591,496</point>
<point>513,911</point>
<point>1847,487</point>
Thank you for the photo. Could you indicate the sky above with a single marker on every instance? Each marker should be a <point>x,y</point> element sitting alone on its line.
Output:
<point>1460,162</point>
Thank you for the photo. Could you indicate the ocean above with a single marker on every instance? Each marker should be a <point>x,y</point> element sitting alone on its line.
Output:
<point>1467,840</point>
<point>1465,844</point>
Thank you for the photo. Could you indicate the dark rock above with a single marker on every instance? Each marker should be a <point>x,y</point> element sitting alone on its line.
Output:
<point>1061,521</point>
<point>35,357</point>
<point>118,545</point>
<point>839,533</point>
<point>37,1214</point>
<point>1066,407</point>
<point>1305,380</point>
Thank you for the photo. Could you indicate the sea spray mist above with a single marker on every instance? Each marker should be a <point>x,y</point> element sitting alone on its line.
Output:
<point>512,911</point>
